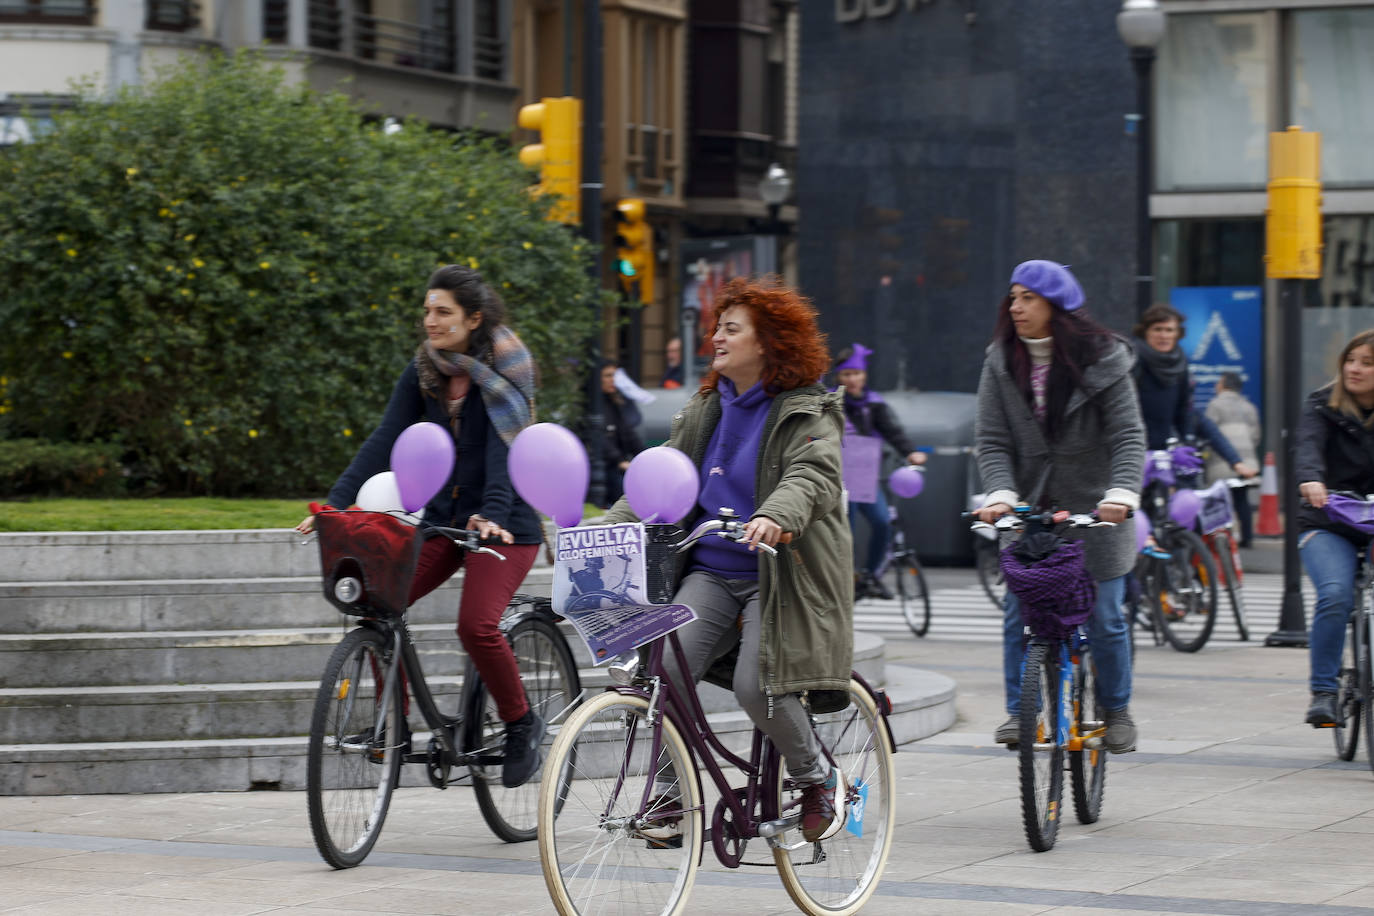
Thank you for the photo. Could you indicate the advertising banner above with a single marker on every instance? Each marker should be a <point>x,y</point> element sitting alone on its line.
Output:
<point>1225,326</point>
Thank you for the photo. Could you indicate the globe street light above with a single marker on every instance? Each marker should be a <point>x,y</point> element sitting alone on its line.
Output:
<point>774,188</point>
<point>1141,26</point>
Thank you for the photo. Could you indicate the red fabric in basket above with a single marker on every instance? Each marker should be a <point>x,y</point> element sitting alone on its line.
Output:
<point>377,547</point>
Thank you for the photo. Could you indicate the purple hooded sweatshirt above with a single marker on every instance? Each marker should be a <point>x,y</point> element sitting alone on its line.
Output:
<point>729,469</point>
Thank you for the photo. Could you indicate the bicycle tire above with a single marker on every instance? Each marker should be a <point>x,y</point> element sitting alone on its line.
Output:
<point>1366,677</point>
<point>841,879</point>
<point>350,769</point>
<point>904,579</point>
<point>1235,592</point>
<point>591,849</point>
<point>1149,571</point>
<point>1349,699</point>
<point>1040,756</point>
<point>1088,765</point>
<point>987,559</point>
<point>549,676</point>
<point>1187,598</point>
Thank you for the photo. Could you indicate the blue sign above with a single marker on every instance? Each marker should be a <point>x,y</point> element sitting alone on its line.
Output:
<point>1225,326</point>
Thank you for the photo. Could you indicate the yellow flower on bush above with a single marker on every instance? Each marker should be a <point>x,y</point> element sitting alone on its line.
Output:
<point>252,434</point>
<point>66,354</point>
<point>265,264</point>
<point>71,252</point>
<point>472,262</point>
<point>347,431</point>
<point>61,236</point>
<point>164,213</point>
<point>529,245</point>
<point>187,422</point>
<point>197,262</point>
<point>189,238</point>
<point>130,173</point>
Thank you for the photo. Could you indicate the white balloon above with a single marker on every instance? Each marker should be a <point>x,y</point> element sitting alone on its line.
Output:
<point>379,493</point>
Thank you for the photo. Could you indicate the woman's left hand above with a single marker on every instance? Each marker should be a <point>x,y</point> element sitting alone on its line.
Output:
<point>488,530</point>
<point>1112,512</point>
<point>761,530</point>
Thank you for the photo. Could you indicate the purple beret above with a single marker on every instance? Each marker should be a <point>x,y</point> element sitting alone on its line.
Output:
<point>1051,280</point>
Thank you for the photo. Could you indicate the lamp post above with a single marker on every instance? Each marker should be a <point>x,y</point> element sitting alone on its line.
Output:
<point>774,188</point>
<point>1141,26</point>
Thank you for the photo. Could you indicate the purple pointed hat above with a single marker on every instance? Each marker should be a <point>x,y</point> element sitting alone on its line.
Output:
<point>857,360</point>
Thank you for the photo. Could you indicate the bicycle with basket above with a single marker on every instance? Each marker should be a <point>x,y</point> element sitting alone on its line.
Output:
<point>361,727</point>
<point>1355,680</point>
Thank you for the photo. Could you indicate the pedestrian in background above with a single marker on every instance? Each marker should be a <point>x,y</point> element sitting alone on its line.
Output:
<point>1238,420</point>
<point>1058,424</point>
<point>1161,376</point>
<point>473,377</point>
<point>1335,452</point>
<point>672,358</point>
<point>621,440</point>
<point>867,416</point>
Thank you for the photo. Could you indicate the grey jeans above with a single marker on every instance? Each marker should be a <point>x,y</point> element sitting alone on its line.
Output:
<point>719,604</point>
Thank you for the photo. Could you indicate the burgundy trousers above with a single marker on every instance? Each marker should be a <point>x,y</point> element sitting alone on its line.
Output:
<point>487,590</point>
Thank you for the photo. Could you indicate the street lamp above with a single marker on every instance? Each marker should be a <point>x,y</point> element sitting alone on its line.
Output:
<point>774,188</point>
<point>1141,26</point>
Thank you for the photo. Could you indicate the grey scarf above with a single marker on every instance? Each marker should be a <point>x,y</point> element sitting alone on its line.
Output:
<point>1168,368</point>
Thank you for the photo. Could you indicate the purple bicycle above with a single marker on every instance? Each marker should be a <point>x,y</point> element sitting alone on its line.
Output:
<point>1355,682</point>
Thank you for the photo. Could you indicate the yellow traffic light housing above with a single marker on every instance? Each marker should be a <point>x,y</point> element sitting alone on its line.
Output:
<point>1293,220</point>
<point>558,156</point>
<point>634,250</point>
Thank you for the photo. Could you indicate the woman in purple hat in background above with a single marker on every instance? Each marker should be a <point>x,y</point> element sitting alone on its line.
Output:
<point>867,415</point>
<point>1058,425</point>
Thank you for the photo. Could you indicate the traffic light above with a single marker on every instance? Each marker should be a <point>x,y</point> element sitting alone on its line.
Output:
<point>558,156</point>
<point>634,249</point>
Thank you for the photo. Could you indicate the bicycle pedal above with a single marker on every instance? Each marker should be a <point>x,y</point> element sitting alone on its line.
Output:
<point>669,843</point>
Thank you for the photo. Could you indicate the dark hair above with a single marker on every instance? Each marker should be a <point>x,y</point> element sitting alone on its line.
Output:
<point>1230,381</point>
<point>1158,314</point>
<point>1079,341</point>
<point>794,352</point>
<point>472,294</point>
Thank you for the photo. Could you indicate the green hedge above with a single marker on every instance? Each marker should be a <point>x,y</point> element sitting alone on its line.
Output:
<point>32,467</point>
<point>221,274</point>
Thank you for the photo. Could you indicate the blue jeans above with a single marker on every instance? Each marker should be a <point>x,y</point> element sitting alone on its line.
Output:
<point>1108,637</point>
<point>879,532</point>
<point>1330,561</point>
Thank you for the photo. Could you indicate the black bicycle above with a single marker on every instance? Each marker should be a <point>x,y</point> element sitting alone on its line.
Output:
<point>901,573</point>
<point>360,732</point>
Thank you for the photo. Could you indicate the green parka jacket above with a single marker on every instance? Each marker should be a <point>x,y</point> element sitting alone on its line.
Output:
<point>806,594</point>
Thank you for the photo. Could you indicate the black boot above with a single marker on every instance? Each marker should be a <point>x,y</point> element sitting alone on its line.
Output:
<point>1322,712</point>
<point>522,749</point>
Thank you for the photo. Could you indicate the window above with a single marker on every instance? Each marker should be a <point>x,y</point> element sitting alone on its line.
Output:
<point>650,161</point>
<point>173,15</point>
<point>1212,83</point>
<point>58,12</point>
<point>1331,89</point>
<point>403,33</point>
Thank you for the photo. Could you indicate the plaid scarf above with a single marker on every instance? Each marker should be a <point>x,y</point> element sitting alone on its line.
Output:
<point>507,384</point>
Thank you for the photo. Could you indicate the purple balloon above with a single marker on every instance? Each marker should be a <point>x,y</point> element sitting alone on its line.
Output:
<point>1184,506</point>
<point>548,466</point>
<point>907,481</point>
<point>661,484</point>
<point>1142,529</point>
<point>422,460</point>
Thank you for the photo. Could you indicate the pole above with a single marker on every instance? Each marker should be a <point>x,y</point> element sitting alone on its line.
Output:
<point>1292,631</point>
<point>591,231</point>
<point>1143,60</point>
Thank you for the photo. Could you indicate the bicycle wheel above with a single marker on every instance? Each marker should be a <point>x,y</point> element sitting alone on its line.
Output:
<point>356,748</point>
<point>1366,676</point>
<point>1187,594</point>
<point>1088,765</point>
<point>986,557</point>
<point>597,851</point>
<point>1041,755</point>
<point>1349,699</point>
<point>549,676</point>
<point>837,876</point>
<point>905,580</point>
<point>1224,559</point>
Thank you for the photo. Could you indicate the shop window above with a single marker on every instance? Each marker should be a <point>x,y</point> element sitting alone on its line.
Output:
<point>1331,89</point>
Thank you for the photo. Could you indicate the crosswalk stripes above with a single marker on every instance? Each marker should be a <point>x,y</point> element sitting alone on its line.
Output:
<point>965,613</point>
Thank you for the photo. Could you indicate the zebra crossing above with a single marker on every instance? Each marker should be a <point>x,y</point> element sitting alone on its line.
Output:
<point>965,613</point>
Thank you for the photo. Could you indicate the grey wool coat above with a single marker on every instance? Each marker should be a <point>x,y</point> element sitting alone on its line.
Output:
<point>1100,446</point>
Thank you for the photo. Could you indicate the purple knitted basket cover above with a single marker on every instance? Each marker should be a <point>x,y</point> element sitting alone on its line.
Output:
<point>1057,594</point>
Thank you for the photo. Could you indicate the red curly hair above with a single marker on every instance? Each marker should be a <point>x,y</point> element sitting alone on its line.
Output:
<point>794,349</point>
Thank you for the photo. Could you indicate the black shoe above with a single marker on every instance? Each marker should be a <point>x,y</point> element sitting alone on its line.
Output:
<point>522,749</point>
<point>878,589</point>
<point>1322,712</point>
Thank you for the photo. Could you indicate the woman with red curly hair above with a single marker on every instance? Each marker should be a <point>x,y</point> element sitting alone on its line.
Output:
<point>765,437</point>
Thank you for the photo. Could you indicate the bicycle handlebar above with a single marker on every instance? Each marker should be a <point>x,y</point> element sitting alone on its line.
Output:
<point>1016,519</point>
<point>465,539</point>
<point>729,527</point>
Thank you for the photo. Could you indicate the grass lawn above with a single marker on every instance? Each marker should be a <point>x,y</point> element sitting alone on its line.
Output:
<point>158,514</point>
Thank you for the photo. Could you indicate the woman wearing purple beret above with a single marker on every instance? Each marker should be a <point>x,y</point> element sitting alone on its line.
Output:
<point>1058,425</point>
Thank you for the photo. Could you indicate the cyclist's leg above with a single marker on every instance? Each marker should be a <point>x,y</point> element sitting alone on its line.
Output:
<point>1330,561</point>
<point>1110,638</point>
<point>439,559</point>
<point>713,632</point>
<point>879,532</point>
<point>487,590</point>
<point>1013,651</point>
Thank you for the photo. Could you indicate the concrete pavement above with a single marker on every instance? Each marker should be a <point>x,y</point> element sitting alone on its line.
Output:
<point>1231,806</point>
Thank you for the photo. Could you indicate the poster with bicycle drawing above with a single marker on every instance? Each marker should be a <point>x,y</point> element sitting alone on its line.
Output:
<point>599,585</point>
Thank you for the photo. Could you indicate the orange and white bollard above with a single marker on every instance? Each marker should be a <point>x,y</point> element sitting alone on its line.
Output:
<point>1268,524</point>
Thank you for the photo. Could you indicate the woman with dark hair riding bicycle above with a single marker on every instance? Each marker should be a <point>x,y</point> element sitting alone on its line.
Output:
<point>1335,452</point>
<point>765,437</point>
<point>473,377</point>
<point>1058,425</point>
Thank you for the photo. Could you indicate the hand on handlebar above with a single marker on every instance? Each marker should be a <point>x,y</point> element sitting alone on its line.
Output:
<point>992,513</point>
<point>761,530</point>
<point>1314,491</point>
<point>307,525</point>
<point>488,530</point>
<point>1115,513</point>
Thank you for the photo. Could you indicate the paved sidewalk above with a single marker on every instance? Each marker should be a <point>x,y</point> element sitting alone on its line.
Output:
<point>1231,806</point>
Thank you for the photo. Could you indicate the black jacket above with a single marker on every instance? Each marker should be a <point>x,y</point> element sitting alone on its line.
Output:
<point>1166,409</point>
<point>1338,451</point>
<point>622,437</point>
<point>480,481</point>
<point>875,418</point>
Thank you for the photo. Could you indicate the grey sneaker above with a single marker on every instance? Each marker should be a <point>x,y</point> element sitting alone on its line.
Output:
<point>1121,734</point>
<point>1009,732</point>
<point>1322,712</point>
